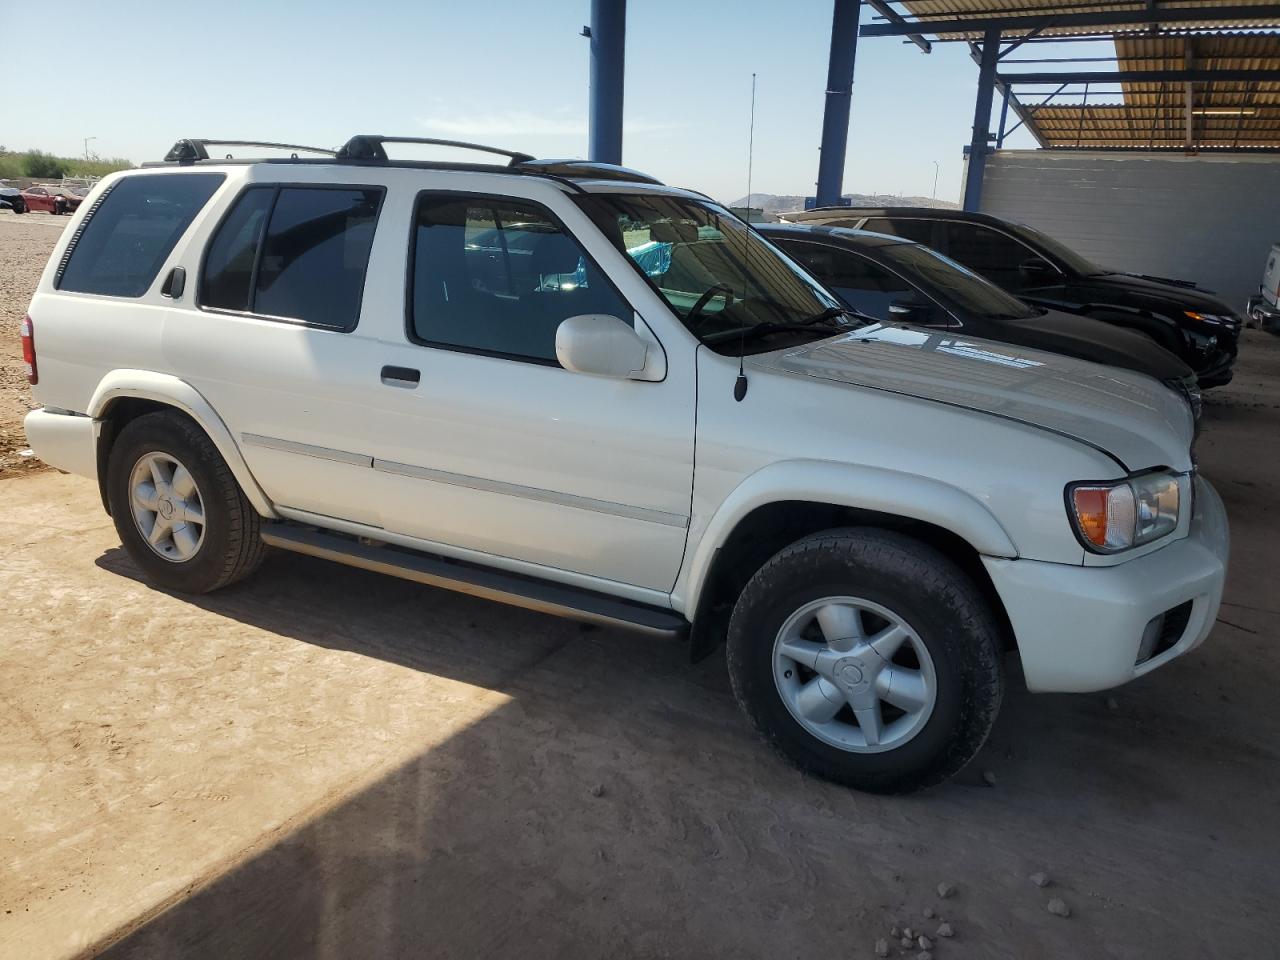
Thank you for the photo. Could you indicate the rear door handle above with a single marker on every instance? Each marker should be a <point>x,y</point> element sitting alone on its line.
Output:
<point>400,376</point>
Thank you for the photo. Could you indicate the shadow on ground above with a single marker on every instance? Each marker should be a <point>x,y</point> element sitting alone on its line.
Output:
<point>700,842</point>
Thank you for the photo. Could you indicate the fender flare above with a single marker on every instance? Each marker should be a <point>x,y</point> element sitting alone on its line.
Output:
<point>171,391</point>
<point>847,485</point>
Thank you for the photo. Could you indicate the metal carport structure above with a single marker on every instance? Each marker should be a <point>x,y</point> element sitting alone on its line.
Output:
<point>1185,77</point>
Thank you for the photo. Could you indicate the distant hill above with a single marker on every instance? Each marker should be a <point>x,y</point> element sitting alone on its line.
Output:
<point>776,203</point>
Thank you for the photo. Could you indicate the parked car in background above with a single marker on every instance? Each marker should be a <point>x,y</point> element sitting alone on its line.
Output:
<point>1193,324</point>
<point>1263,310</point>
<point>46,199</point>
<point>893,279</point>
<point>74,195</point>
<point>11,199</point>
<point>872,519</point>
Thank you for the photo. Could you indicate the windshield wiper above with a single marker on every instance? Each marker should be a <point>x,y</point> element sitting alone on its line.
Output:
<point>824,316</point>
<point>758,330</point>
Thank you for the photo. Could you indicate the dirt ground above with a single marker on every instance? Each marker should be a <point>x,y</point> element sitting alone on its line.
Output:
<point>25,244</point>
<point>321,762</point>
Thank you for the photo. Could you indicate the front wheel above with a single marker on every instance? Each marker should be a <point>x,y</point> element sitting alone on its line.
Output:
<point>868,658</point>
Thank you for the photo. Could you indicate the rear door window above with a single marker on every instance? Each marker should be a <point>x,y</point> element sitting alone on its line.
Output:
<point>296,253</point>
<point>126,239</point>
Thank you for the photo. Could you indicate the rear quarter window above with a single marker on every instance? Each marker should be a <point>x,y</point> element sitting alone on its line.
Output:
<point>126,238</point>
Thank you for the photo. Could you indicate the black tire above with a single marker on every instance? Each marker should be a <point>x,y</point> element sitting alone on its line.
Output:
<point>931,594</point>
<point>232,545</point>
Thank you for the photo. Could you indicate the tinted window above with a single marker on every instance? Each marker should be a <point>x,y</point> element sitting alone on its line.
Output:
<point>228,268</point>
<point>921,231</point>
<point>865,286</point>
<point>499,276</point>
<point>957,284</point>
<point>132,233</point>
<point>309,264</point>
<point>1056,248</point>
<point>995,255</point>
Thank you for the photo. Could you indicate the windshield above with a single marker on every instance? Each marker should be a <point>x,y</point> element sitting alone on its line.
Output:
<point>955,283</point>
<point>1059,251</point>
<point>719,276</point>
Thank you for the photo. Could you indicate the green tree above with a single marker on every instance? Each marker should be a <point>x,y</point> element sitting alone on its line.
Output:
<point>37,163</point>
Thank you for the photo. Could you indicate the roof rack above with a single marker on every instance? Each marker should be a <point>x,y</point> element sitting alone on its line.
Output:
<point>189,151</point>
<point>368,149</point>
<point>588,168</point>
<point>368,146</point>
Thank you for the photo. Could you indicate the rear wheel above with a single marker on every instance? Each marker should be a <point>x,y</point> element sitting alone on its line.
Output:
<point>179,512</point>
<point>868,658</point>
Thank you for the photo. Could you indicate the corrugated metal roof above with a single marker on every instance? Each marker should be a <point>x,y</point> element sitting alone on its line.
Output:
<point>1227,114</point>
<point>926,10</point>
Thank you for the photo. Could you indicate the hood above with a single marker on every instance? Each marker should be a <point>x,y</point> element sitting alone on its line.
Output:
<point>1151,294</point>
<point>1089,339</point>
<point>1134,419</point>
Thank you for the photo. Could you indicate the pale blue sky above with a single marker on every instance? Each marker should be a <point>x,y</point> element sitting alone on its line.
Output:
<point>139,74</point>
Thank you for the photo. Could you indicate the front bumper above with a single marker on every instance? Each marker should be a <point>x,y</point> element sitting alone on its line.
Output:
<point>68,441</point>
<point>1266,316</point>
<point>1080,628</point>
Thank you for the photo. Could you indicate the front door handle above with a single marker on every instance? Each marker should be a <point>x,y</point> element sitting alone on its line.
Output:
<point>400,376</point>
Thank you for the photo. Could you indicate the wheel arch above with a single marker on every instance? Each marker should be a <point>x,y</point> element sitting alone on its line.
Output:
<point>768,512</point>
<point>124,395</point>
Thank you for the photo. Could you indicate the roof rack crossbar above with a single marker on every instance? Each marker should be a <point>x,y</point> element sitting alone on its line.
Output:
<point>368,146</point>
<point>188,151</point>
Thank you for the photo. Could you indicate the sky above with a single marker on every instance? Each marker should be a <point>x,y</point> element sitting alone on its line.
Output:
<point>137,75</point>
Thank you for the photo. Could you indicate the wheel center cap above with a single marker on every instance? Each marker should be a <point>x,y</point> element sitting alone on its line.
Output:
<point>166,508</point>
<point>849,672</point>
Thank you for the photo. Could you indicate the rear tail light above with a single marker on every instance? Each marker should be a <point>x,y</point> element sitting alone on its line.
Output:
<point>29,350</point>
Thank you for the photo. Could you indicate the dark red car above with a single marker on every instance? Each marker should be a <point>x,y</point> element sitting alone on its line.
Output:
<point>51,199</point>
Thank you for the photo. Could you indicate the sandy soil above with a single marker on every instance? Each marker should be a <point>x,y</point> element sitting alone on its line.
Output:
<point>324,763</point>
<point>25,244</point>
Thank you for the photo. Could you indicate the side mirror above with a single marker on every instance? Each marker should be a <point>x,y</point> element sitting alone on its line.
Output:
<point>1035,267</point>
<point>601,345</point>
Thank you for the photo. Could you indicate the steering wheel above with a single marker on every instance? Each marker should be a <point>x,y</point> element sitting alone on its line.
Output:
<point>694,314</point>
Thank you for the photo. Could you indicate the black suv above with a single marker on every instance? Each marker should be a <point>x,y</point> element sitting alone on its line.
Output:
<point>1198,327</point>
<point>891,279</point>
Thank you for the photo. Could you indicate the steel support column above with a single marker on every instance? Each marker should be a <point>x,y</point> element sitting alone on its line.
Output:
<point>608,52</point>
<point>1004,118</point>
<point>835,117</point>
<point>990,56</point>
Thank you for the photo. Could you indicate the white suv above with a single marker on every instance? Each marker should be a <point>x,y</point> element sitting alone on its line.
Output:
<point>566,386</point>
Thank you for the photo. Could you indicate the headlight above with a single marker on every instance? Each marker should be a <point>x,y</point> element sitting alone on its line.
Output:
<point>1214,319</point>
<point>1110,517</point>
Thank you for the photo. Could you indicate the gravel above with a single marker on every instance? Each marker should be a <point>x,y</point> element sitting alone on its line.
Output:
<point>25,244</point>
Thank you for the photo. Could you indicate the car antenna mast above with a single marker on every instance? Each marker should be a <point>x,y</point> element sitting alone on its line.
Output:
<point>740,385</point>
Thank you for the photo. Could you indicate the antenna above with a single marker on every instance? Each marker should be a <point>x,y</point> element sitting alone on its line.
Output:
<point>740,385</point>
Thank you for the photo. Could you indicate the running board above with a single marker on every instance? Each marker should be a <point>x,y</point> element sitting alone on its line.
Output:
<point>486,582</point>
